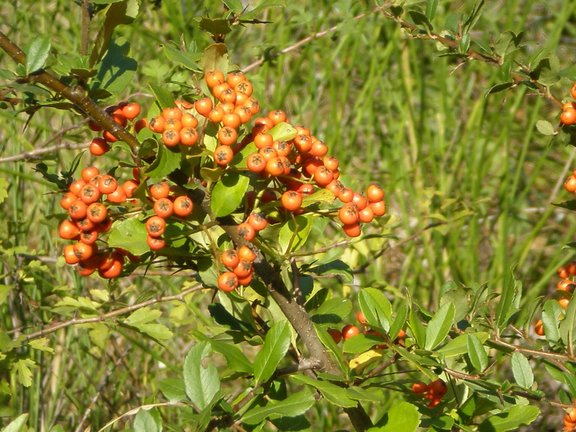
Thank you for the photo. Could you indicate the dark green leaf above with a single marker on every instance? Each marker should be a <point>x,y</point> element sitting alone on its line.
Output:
<point>439,326</point>
<point>215,26</point>
<point>334,268</point>
<point>431,6</point>
<point>173,389</point>
<point>185,59</point>
<point>506,306</point>
<point>332,311</point>
<point>418,329</point>
<point>499,88</point>
<point>37,54</point>
<point>522,370</point>
<point>116,14</point>
<point>235,358</point>
<point>275,346</point>
<point>570,205</point>
<point>568,323</point>
<point>294,405</point>
<point>117,70</point>
<point>375,307</point>
<point>129,234</point>
<point>200,376</point>
<point>421,20</point>
<point>228,193</point>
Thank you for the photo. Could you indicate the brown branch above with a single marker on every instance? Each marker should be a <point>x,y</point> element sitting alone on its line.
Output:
<point>296,314</point>
<point>75,95</point>
<point>117,312</point>
<point>533,353</point>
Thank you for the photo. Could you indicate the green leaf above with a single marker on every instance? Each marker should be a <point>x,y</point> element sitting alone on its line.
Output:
<point>37,53</point>
<point>116,14</point>
<point>418,329</point>
<point>200,376</point>
<point>550,314</point>
<point>506,307</point>
<point>568,323</point>
<point>228,193</point>
<point>421,20</point>
<point>402,417</point>
<point>173,389</point>
<point>166,161</point>
<point>499,88</point>
<point>545,127</point>
<point>185,59</point>
<point>17,424</point>
<point>522,370</point>
<point>375,307</point>
<point>275,346</point>
<point>283,132</point>
<point>335,268</point>
<point>141,319</point>
<point>215,57</point>
<point>41,344</point>
<point>459,345</point>
<point>332,311</point>
<point>439,326</point>
<point>142,316</point>
<point>476,353</point>
<point>163,96</point>
<point>117,70</point>
<point>400,320</point>
<point>294,405</point>
<point>334,394</point>
<point>22,369</point>
<point>510,419</point>
<point>235,358</point>
<point>129,234</point>
<point>294,233</point>
<point>3,189</point>
<point>145,422</point>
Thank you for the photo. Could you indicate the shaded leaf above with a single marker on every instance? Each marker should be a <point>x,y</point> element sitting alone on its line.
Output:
<point>167,160</point>
<point>294,233</point>
<point>375,307</point>
<point>510,419</point>
<point>334,394</point>
<point>545,127</point>
<point>130,235</point>
<point>401,417</point>
<point>37,53</point>
<point>294,405</point>
<point>228,193</point>
<point>439,326</point>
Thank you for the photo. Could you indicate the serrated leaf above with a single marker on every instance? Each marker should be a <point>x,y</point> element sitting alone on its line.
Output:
<point>22,369</point>
<point>294,233</point>
<point>17,424</point>
<point>376,308</point>
<point>41,344</point>
<point>200,376</point>
<point>3,189</point>
<point>273,351</point>
<point>218,26</point>
<point>522,370</point>
<point>334,394</point>
<point>439,326</point>
<point>545,127</point>
<point>476,353</point>
<point>130,235</point>
<point>117,70</point>
<point>142,316</point>
<point>401,417</point>
<point>510,419</point>
<point>37,53</point>
<point>228,193</point>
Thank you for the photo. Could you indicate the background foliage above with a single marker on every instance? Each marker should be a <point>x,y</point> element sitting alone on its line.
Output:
<point>470,185</point>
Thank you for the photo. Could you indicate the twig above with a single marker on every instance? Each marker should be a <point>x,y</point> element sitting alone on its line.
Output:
<point>76,95</point>
<point>117,312</point>
<point>142,407</point>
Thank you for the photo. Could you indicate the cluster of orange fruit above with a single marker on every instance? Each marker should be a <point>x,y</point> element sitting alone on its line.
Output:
<point>238,263</point>
<point>122,114</point>
<point>564,288</point>
<point>434,391</point>
<point>568,115</point>
<point>351,330</point>
<point>86,203</point>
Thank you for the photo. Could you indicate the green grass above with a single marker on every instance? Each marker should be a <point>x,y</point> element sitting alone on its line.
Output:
<point>469,180</point>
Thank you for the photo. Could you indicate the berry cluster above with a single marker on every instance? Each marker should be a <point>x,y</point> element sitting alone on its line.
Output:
<point>121,114</point>
<point>350,331</point>
<point>568,115</point>
<point>238,263</point>
<point>434,391</point>
<point>564,289</point>
<point>166,205</point>
<point>86,203</point>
